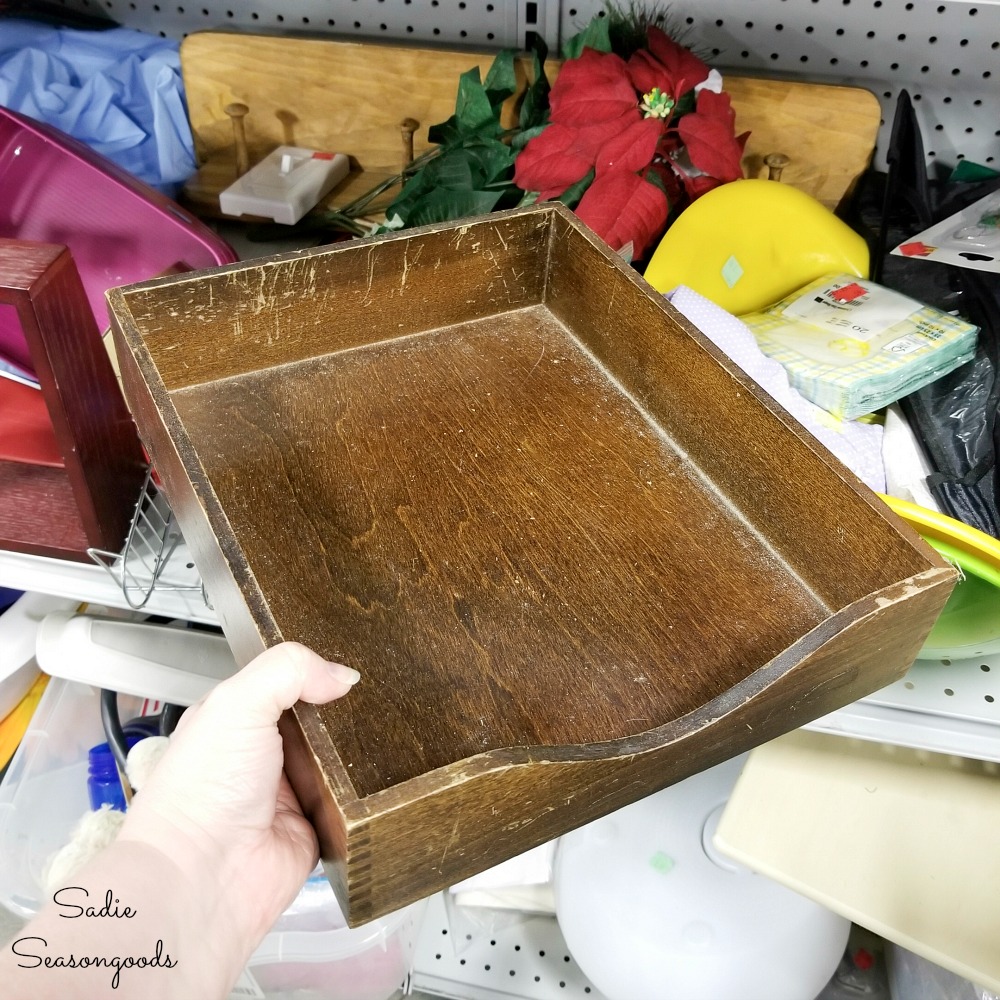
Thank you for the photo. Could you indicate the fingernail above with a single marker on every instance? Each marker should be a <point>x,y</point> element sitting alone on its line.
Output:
<point>344,674</point>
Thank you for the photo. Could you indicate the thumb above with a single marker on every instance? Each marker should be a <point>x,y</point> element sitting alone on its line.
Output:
<point>277,679</point>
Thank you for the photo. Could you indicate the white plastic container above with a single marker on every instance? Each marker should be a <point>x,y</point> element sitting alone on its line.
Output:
<point>312,955</point>
<point>44,792</point>
<point>912,977</point>
<point>650,908</point>
<point>19,626</point>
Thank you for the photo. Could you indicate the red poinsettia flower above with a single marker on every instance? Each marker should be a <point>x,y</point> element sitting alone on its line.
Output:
<point>623,207</point>
<point>595,87</point>
<point>708,136</point>
<point>664,64</point>
<point>617,120</point>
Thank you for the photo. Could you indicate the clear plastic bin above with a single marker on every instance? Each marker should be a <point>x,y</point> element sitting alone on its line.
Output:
<point>44,792</point>
<point>309,955</point>
<point>312,955</point>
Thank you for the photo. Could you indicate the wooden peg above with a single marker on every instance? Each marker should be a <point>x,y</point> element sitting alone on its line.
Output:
<point>237,112</point>
<point>775,163</point>
<point>406,128</point>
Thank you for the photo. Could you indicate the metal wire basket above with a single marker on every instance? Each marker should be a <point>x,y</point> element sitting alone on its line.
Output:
<point>154,555</point>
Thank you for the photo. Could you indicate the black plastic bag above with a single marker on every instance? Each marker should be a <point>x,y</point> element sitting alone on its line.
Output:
<point>955,417</point>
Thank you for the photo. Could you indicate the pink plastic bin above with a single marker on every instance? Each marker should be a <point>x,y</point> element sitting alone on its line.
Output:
<point>54,189</point>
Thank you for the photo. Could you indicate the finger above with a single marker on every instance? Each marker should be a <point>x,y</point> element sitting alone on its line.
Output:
<point>276,680</point>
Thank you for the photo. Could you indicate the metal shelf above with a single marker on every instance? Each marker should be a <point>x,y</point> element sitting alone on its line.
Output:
<point>528,960</point>
<point>943,52</point>
<point>947,706</point>
<point>92,584</point>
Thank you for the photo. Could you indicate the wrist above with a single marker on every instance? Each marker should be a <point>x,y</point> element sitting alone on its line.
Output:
<point>130,923</point>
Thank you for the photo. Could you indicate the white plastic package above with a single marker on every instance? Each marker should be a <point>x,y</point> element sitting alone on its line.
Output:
<point>853,346</point>
<point>969,238</point>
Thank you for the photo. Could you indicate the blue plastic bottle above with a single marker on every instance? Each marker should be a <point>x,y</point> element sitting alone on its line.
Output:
<point>103,785</point>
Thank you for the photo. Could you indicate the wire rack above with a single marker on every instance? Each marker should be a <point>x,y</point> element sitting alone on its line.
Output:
<point>147,561</point>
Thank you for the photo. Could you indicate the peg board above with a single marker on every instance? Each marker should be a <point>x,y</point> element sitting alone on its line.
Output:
<point>946,53</point>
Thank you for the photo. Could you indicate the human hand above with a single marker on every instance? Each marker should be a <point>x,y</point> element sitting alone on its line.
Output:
<point>218,804</point>
<point>213,848</point>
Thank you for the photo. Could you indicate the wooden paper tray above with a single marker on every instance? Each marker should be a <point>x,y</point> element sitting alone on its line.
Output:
<point>575,553</point>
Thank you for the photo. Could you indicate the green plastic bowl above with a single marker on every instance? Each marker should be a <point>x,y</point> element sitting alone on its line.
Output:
<point>969,625</point>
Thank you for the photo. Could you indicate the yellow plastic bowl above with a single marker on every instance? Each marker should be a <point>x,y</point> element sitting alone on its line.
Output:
<point>969,625</point>
<point>749,243</point>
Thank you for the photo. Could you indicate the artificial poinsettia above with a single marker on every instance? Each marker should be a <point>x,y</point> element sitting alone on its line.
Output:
<point>633,139</point>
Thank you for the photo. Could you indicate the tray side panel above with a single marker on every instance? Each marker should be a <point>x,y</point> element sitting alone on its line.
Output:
<point>222,324</point>
<point>486,810</point>
<point>815,513</point>
<point>203,525</point>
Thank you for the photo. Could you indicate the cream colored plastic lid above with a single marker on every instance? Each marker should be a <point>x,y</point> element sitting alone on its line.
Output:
<point>903,842</point>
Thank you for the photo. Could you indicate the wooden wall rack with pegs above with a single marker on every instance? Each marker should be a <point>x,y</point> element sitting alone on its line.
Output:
<point>354,98</point>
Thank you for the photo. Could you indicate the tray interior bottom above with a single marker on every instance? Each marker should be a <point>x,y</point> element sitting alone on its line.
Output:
<point>484,523</point>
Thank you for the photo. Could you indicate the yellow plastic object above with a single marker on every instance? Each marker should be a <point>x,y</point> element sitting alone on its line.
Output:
<point>940,527</point>
<point>749,243</point>
<point>15,725</point>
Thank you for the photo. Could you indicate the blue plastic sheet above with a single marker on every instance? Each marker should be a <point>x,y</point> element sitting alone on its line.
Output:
<point>119,91</point>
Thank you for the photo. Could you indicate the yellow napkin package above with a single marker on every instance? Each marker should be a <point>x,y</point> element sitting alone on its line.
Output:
<point>852,346</point>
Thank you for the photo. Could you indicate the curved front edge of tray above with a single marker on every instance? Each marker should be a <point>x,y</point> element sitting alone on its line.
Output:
<point>416,838</point>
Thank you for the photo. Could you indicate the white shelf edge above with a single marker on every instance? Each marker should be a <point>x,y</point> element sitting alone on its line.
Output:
<point>91,584</point>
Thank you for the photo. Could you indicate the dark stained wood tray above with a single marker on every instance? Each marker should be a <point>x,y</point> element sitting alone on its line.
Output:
<point>576,554</point>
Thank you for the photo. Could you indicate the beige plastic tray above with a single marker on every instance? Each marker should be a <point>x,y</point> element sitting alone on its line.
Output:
<point>903,842</point>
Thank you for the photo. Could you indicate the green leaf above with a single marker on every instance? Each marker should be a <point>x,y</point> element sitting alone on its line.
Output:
<point>501,81</point>
<point>654,177</point>
<point>493,158</point>
<point>530,197</point>
<point>523,138</point>
<point>454,171</point>
<point>535,104</point>
<point>443,206</point>
<point>594,36</point>
<point>572,195</point>
<point>414,189</point>
<point>473,112</point>
<point>685,104</point>
<point>472,108</point>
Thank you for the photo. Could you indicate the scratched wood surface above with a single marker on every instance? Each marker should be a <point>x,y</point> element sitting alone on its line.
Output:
<point>554,528</point>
